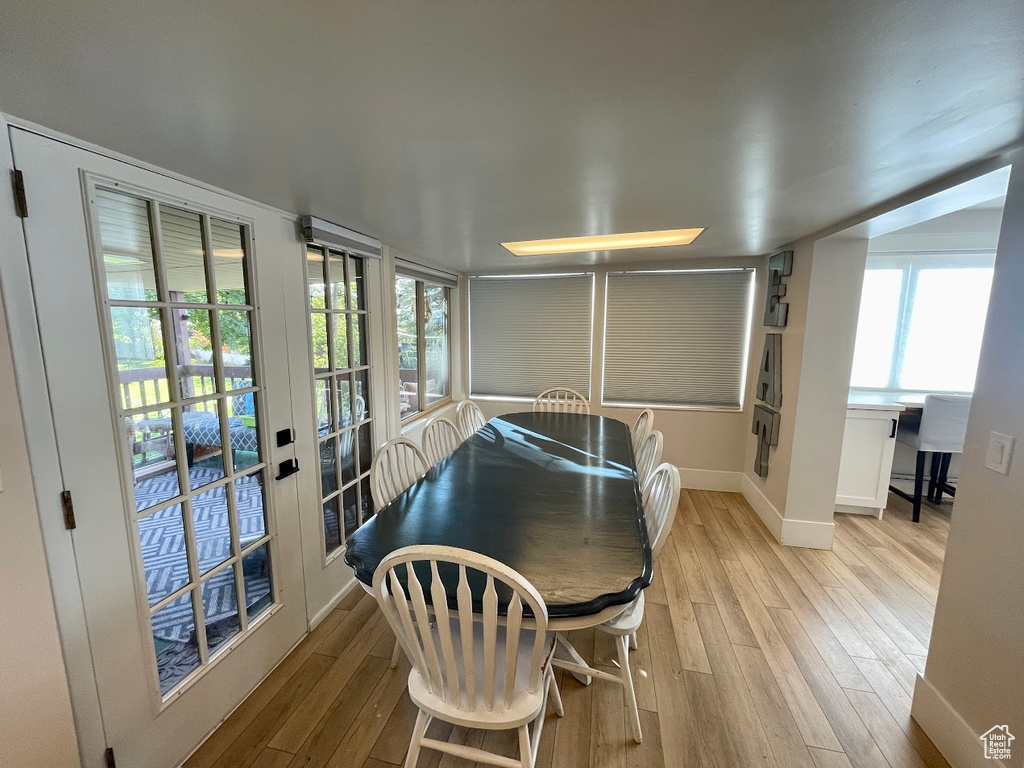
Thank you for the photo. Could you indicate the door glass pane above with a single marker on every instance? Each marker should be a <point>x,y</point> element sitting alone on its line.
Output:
<point>139,347</point>
<point>365,449</point>
<point>164,557</point>
<point>203,443</point>
<point>329,466</point>
<point>243,429</point>
<point>340,341</point>
<point>324,408</point>
<point>436,341</point>
<point>315,277</point>
<point>229,262</point>
<point>337,273</point>
<point>213,531</point>
<point>356,290</point>
<point>332,528</point>
<point>366,499</point>
<point>318,330</point>
<point>127,246</point>
<point>344,384</point>
<point>236,343</point>
<point>947,322</point>
<point>220,608</point>
<point>358,340</point>
<point>190,329</point>
<point>362,395</point>
<point>252,511</point>
<point>258,578</point>
<point>176,654</point>
<point>876,327</point>
<point>346,450</point>
<point>350,502</point>
<point>151,443</point>
<point>183,255</point>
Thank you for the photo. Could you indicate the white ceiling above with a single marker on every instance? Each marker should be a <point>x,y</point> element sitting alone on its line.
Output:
<point>444,128</point>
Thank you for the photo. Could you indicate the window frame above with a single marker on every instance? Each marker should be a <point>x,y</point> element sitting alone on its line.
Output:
<point>421,344</point>
<point>911,264</point>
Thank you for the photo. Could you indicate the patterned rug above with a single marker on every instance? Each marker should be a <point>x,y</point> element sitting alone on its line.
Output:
<point>163,551</point>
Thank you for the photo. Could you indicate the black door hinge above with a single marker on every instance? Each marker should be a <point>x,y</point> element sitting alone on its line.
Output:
<point>69,509</point>
<point>109,757</point>
<point>20,201</point>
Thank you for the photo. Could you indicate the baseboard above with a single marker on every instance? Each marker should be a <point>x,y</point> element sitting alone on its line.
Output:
<point>951,734</point>
<point>711,480</point>
<point>332,604</point>
<point>791,533</point>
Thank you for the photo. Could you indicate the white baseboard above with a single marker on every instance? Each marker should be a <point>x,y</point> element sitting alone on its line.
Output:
<point>791,533</point>
<point>951,734</point>
<point>711,480</point>
<point>332,603</point>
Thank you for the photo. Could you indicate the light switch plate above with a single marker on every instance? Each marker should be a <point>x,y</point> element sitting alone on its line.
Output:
<point>1000,452</point>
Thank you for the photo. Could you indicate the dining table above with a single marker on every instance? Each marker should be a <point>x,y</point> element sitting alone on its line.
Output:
<point>554,496</point>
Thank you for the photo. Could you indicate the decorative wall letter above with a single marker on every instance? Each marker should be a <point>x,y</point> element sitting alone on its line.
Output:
<point>766,427</point>
<point>776,312</point>
<point>769,380</point>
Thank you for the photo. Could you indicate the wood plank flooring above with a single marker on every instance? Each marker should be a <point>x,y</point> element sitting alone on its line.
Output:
<point>751,654</point>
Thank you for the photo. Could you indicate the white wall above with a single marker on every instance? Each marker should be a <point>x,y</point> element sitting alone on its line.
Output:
<point>706,445</point>
<point>975,673</point>
<point>36,725</point>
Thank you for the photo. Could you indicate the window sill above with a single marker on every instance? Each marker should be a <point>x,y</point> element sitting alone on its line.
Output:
<point>419,418</point>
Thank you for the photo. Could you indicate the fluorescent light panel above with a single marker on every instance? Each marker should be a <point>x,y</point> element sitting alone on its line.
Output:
<point>657,239</point>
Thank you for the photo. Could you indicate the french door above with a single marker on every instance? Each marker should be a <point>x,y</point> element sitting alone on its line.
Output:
<point>162,322</point>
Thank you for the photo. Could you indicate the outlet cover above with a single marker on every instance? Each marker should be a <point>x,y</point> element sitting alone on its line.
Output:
<point>999,452</point>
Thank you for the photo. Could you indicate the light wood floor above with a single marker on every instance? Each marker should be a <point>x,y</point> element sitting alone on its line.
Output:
<point>750,654</point>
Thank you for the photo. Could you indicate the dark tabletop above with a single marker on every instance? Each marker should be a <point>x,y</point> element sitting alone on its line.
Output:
<point>552,495</point>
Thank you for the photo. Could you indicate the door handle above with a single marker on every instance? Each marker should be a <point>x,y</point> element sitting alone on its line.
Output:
<point>287,468</point>
<point>891,434</point>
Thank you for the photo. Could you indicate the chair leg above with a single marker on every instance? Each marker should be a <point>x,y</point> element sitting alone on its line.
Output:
<point>525,749</point>
<point>933,477</point>
<point>417,737</point>
<point>943,477</point>
<point>918,484</point>
<point>622,646</point>
<point>394,654</point>
<point>632,641</point>
<point>555,694</point>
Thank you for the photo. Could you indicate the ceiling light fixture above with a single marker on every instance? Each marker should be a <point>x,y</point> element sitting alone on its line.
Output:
<point>656,239</point>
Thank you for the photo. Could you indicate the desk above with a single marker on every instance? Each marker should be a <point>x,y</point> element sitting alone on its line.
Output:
<point>552,495</point>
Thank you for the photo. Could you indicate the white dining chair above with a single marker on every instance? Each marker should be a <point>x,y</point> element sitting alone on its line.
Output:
<point>398,464</point>
<point>660,500</point>
<point>474,670</point>
<point>941,431</point>
<point>649,456</point>
<point>470,418</point>
<point>641,428</point>
<point>561,400</point>
<point>440,438</point>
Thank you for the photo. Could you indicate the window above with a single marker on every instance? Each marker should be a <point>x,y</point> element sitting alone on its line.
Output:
<point>922,317</point>
<point>338,319</point>
<point>424,340</point>
<point>677,338</point>
<point>530,333</point>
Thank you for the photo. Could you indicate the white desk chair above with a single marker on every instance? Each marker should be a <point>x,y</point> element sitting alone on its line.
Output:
<point>469,417</point>
<point>398,464</point>
<point>641,428</point>
<point>940,431</point>
<point>649,456</point>
<point>440,438</point>
<point>561,400</point>
<point>661,500</point>
<point>470,670</point>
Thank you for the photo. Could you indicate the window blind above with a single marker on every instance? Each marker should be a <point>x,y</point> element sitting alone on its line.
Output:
<point>530,333</point>
<point>676,338</point>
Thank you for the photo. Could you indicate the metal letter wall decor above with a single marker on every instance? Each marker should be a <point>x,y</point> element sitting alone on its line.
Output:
<point>769,378</point>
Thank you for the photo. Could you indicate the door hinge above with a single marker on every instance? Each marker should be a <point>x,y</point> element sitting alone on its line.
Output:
<point>109,757</point>
<point>69,509</point>
<point>20,201</point>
